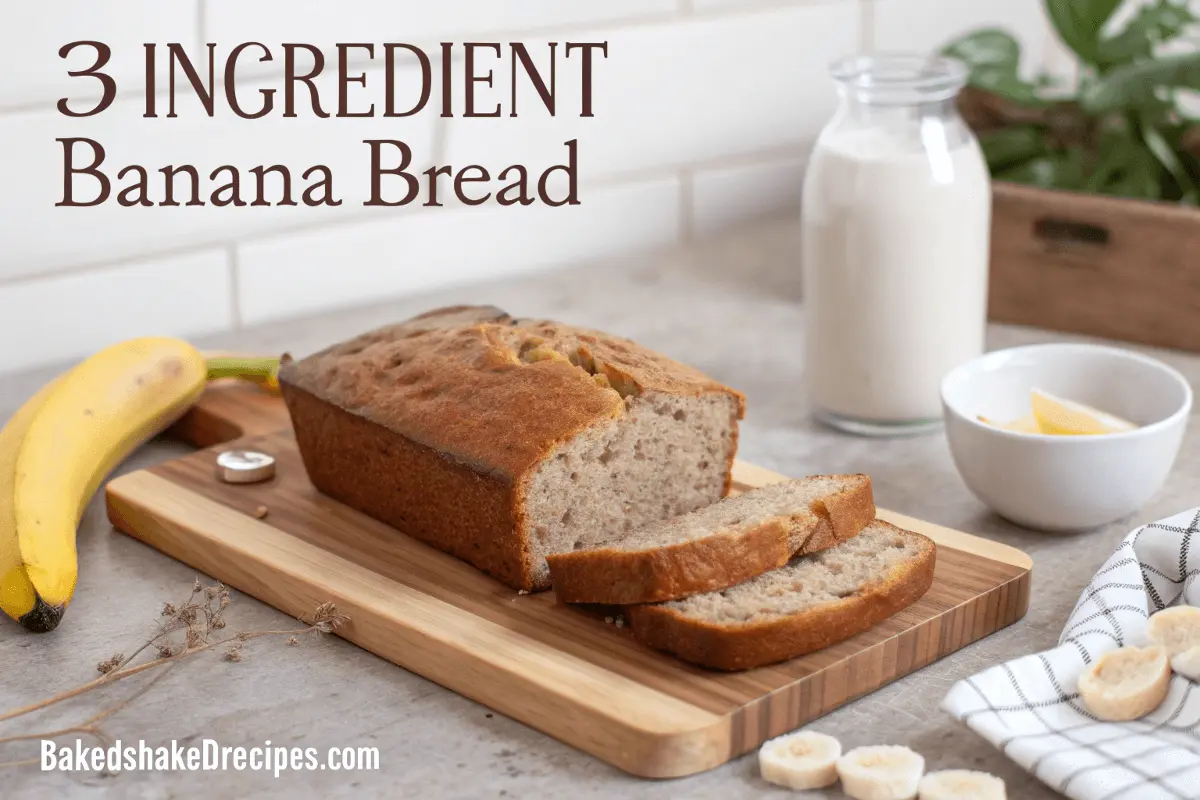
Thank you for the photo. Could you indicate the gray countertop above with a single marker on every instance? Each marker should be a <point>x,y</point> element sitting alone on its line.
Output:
<point>729,306</point>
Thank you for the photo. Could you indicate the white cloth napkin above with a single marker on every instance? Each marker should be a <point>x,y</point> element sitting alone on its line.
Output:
<point>1029,708</point>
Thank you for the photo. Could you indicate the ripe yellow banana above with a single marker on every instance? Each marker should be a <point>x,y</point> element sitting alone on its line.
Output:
<point>87,424</point>
<point>17,597</point>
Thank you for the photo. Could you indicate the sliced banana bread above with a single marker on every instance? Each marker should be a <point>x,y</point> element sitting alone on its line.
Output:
<point>718,546</point>
<point>811,603</point>
<point>503,440</point>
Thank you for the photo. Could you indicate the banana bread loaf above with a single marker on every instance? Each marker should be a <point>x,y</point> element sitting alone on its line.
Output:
<point>502,440</point>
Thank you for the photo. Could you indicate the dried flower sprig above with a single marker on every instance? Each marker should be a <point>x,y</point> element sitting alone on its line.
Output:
<point>198,618</point>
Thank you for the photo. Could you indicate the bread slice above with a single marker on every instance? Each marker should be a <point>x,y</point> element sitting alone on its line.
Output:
<point>811,603</point>
<point>716,546</point>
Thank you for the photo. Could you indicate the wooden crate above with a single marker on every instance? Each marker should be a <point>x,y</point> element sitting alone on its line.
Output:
<point>1104,266</point>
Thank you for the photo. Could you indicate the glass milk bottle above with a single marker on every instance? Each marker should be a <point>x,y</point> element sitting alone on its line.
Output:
<point>896,217</point>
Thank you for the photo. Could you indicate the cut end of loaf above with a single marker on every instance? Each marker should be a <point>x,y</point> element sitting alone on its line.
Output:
<point>800,499</point>
<point>666,456</point>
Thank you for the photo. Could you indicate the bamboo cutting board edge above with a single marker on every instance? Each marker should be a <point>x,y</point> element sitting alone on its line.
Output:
<point>635,709</point>
<point>201,533</point>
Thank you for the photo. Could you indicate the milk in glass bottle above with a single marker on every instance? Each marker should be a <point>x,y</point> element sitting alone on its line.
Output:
<point>895,229</point>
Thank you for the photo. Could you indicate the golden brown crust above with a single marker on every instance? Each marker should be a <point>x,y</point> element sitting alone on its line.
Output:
<point>408,486</point>
<point>625,577</point>
<point>463,380</point>
<point>755,644</point>
<point>847,512</point>
<point>610,576</point>
<point>464,401</point>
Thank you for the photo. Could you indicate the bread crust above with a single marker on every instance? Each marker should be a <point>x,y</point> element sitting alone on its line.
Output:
<point>624,577</point>
<point>436,425</point>
<point>610,576</point>
<point>410,487</point>
<point>847,512</point>
<point>756,644</point>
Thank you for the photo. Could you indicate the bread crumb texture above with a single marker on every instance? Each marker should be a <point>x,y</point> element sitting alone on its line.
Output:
<point>825,577</point>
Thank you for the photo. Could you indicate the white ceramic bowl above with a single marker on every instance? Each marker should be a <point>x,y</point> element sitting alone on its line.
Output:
<point>1065,483</point>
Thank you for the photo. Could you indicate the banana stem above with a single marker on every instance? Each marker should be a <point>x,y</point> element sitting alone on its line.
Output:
<point>262,372</point>
<point>242,367</point>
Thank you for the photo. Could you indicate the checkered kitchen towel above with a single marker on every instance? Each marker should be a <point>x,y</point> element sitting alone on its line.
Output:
<point>1029,708</point>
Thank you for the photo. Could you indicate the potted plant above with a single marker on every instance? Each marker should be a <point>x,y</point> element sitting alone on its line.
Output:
<point>1095,225</point>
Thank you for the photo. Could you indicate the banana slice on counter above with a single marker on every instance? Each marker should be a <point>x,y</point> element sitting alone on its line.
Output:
<point>800,760</point>
<point>881,772</point>
<point>1177,629</point>
<point>1126,684</point>
<point>961,784</point>
<point>1187,663</point>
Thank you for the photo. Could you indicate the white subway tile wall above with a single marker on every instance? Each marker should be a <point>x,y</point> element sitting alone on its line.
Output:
<point>34,159</point>
<point>31,35</point>
<point>929,24</point>
<point>725,196</point>
<point>704,114</point>
<point>355,264</point>
<point>416,21</point>
<point>675,93</point>
<point>61,317</point>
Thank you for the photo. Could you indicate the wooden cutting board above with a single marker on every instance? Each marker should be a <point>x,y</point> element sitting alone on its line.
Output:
<point>562,670</point>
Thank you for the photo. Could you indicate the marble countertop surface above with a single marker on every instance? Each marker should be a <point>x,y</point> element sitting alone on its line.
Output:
<point>731,307</point>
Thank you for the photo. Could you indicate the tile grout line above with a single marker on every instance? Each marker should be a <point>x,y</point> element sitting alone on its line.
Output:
<point>441,140</point>
<point>866,26</point>
<point>687,207</point>
<point>235,287</point>
<point>546,31</point>
<point>201,24</point>
<point>612,180</point>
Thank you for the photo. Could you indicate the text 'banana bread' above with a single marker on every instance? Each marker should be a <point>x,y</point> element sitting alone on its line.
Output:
<point>503,440</point>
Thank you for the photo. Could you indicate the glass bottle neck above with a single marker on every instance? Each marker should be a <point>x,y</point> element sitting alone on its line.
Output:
<point>857,108</point>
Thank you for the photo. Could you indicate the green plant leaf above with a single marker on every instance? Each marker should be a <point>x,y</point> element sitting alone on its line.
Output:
<point>993,58</point>
<point>1126,168</point>
<point>987,47</point>
<point>1109,161</point>
<point>1133,85</point>
<point>1119,155</point>
<point>1079,23</point>
<point>1008,85</point>
<point>1166,155</point>
<point>1007,147</point>
<point>1062,170</point>
<point>1152,25</point>
<point>1140,182</point>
